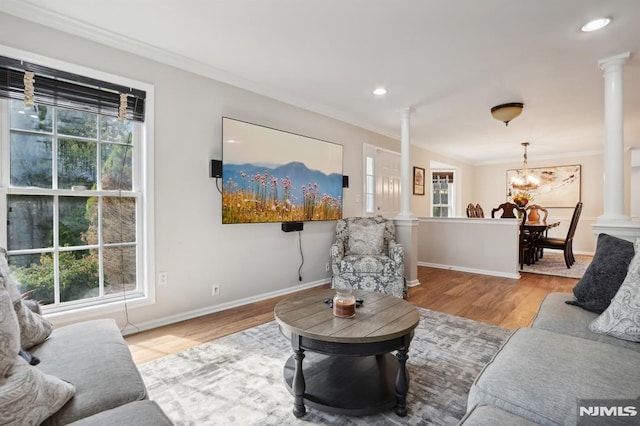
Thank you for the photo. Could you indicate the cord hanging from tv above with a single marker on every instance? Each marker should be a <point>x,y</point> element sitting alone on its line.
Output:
<point>271,175</point>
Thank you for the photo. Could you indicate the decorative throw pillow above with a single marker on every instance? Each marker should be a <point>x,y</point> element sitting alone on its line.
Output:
<point>4,272</point>
<point>365,239</point>
<point>28,396</point>
<point>622,318</point>
<point>34,328</point>
<point>9,332</point>
<point>605,274</point>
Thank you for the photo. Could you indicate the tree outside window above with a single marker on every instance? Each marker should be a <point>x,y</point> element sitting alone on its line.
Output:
<point>72,207</point>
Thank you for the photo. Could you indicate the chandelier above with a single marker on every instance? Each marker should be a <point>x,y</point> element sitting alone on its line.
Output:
<point>525,182</point>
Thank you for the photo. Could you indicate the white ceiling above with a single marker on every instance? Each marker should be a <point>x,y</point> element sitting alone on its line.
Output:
<point>450,60</point>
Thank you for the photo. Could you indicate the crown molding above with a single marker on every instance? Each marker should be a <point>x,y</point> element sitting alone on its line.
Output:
<point>51,19</point>
<point>542,157</point>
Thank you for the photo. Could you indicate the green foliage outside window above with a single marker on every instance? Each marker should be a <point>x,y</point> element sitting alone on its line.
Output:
<point>31,219</point>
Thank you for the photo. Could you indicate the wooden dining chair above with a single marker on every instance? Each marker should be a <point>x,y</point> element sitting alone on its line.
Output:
<point>539,209</point>
<point>471,210</point>
<point>536,214</point>
<point>508,210</point>
<point>564,244</point>
<point>525,247</point>
<point>479,211</point>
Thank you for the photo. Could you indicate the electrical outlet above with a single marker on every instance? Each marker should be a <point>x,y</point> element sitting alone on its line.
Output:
<point>163,278</point>
<point>327,267</point>
<point>216,289</point>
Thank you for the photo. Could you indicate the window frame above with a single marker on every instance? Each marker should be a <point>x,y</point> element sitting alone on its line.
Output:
<point>369,184</point>
<point>451,205</point>
<point>142,161</point>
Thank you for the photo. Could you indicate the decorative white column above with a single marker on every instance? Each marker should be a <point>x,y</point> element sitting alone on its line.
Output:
<point>613,221</point>
<point>406,222</point>
<point>635,183</point>
<point>613,139</point>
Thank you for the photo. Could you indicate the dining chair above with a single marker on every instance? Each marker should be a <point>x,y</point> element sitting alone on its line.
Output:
<point>471,210</point>
<point>479,211</point>
<point>534,216</point>
<point>525,248</point>
<point>533,211</point>
<point>564,244</point>
<point>508,210</point>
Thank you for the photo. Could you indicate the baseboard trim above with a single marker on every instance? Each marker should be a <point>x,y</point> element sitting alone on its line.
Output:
<point>471,270</point>
<point>413,283</point>
<point>217,308</point>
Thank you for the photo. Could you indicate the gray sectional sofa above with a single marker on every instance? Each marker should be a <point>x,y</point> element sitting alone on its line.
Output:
<point>94,357</point>
<point>543,374</point>
<point>81,374</point>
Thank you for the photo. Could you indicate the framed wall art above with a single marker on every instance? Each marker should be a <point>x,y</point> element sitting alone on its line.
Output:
<point>418,181</point>
<point>558,186</point>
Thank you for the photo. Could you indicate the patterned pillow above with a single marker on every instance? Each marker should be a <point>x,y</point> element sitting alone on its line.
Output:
<point>34,328</point>
<point>4,272</point>
<point>9,332</point>
<point>365,239</point>
<point>622,318</point>
<point>28,396</point>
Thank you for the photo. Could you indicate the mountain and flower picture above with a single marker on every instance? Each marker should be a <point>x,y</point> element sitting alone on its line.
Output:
<point>274,176</point>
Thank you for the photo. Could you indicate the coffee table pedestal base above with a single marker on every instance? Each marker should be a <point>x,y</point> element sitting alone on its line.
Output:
<point>348,385</point>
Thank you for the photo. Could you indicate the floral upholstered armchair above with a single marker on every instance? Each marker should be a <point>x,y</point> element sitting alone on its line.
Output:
<point>365,256</point>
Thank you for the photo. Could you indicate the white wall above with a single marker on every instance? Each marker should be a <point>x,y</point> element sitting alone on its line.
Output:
<point>481,246</point>
<point>191,243</point>
<point>421,204</point>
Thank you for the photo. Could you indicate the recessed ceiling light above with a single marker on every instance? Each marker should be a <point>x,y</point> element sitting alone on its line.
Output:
<point>380,91</point>
<point>595,25</point>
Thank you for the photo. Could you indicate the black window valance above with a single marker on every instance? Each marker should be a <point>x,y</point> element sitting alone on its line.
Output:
<point>68,90</point>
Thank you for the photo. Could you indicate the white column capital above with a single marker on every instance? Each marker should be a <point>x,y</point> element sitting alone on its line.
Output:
<point>615,61</point>
<point>406,112</point>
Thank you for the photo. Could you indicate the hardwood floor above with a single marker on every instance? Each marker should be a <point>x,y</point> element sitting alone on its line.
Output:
<point>504,302</point>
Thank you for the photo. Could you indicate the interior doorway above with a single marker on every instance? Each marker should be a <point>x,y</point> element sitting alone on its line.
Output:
<point>382,182</point>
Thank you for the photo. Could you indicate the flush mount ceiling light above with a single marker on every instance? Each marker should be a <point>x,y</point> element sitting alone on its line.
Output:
<point>507,112</point>
<point>380,91</point>
<point>595,25</point>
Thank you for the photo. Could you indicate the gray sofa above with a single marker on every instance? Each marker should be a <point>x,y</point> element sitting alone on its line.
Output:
<point>94,357</point>
<point>541,373</point>
<point>81,374</point>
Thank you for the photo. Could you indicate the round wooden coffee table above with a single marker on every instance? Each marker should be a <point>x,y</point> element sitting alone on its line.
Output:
<point>349,368</point>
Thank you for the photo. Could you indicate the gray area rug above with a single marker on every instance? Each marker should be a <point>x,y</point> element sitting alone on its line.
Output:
<point>237,379</point>
<point>552,263</point>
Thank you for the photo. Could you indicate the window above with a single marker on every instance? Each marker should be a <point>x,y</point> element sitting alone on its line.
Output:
<point>370,185</point>
<point>442,190</point>
<point>73,179</point>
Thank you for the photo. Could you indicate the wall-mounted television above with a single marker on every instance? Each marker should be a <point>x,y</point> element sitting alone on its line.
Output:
<point>272,175</point>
